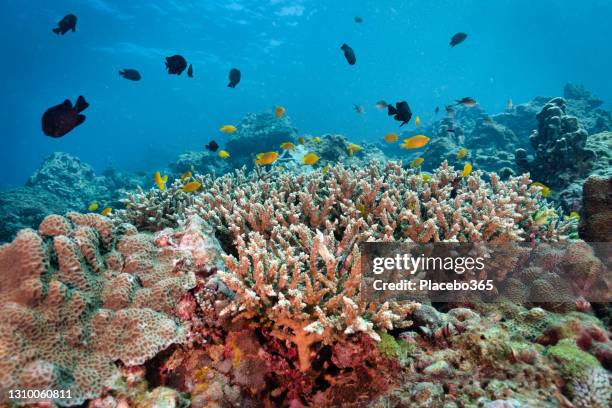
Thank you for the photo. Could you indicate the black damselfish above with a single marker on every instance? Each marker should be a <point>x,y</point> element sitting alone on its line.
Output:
<point>212,146</point>
<point>234,77</point>
<point>61,119</point>
<point>401,111</point>
<point>176,64</point>
<point>68,23</point>
<point>130,74</point>
<point>458,39</point>
<point>349,54</point>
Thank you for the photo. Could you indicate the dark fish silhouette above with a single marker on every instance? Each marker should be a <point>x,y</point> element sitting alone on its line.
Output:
<point>130,74</point>
<point>234,77</point>
<point>458,39</point>
<point>212,146</point>
<point>358,19</point>
<point>190,71</point>
<point>61,119</point>
<point>66,24</point>
<point>176,64</point>
<point>437,109</point>
<point>401,111</point>
<point>349,54</point>
<point>467,102</point>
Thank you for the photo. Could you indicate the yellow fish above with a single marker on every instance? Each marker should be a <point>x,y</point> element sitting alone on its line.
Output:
<point>186,175</point>
<point>287,146</point>
<point>160,181</point>
<point>417,120</point>
<point>545,189</point>
<point>362,210</point>
<point>310,159</point>
<point>574,214</point>
<point>228,129</point>
<point>353,148</point>
<point>279,111</point>
<point>415,142</point>
<point>93,206</point>
<point>544,217</point>
<point>416,162</point>
<point>191,187</point>
<point>325,169</point>
<point>106,211</point>
<point>266,158</point>
<point>426,177</point>
<point>316,139</point>
<point>301,140</point>
<point>224,154</point>
<point>462,153</point>
<point>467,169</point>
<point>391,138</point>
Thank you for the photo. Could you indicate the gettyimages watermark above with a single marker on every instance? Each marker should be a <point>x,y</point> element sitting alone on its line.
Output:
<point>523,273</point>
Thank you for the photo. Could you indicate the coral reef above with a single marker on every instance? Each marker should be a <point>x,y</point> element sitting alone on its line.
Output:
<point>382,201</point>
<point>582,104</point>
<point>248,293</point>
<point>202,162</point>
<point>257,133</point>
<point>490,145</point>
<point>62,183</point>
<point>560,147</point>
<point>78,296</point>
<point>596,223</point>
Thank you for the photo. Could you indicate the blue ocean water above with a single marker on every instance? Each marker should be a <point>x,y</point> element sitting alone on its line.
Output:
<point>289,55</point>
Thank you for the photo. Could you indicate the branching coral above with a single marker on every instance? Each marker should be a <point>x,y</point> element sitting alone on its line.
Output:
<point>80,295</point>
<point>292,241</point>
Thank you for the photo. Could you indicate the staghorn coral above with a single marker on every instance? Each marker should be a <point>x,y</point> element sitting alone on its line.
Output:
<point>292,241</point>
<point>155,209</point>
<point>72,303</point>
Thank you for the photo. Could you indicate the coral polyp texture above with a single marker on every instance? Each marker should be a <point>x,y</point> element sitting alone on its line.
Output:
<point>80,295</point>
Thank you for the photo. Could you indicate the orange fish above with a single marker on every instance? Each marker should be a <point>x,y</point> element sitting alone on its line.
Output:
<point>160,181</point>
<point>191,187</point>
<point>279,111</point>
<point>310,159</point>
<point>266,158</point>
<point>391,138</point>
<point>415,142</point>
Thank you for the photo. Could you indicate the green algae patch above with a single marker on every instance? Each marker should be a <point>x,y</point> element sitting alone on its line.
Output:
<point>391,348</point>
<point>573,361</point>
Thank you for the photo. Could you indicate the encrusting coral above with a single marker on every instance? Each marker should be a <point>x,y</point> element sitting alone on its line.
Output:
<point>80,294</point>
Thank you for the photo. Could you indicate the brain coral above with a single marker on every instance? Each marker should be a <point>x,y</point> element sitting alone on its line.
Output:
<point>80,295</point>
